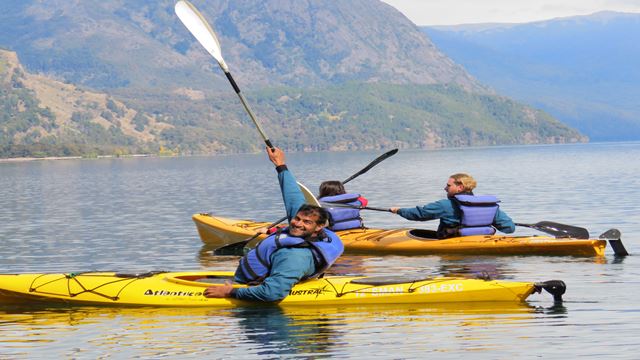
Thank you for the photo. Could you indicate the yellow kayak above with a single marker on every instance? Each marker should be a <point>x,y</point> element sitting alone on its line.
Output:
<point>185,289</point>
<point>218,231</point>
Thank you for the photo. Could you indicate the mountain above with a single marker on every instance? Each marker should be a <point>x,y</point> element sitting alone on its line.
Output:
<point>582,70</point>
<point>320,75</point>
<point>118,43</point>
<point>40,116</point>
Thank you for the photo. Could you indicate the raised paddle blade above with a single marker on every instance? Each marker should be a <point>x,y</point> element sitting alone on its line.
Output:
<point>615,240</point>
<point>375,162</point>
<point>201,30</point>
<point>558,230</point>
<point>308,195</point>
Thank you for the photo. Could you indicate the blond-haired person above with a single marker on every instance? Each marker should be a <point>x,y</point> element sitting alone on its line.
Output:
<point>461,213</point>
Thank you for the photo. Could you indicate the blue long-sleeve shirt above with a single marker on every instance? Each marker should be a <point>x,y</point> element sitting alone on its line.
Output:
<point>288,265</point>
<point>451,216</point>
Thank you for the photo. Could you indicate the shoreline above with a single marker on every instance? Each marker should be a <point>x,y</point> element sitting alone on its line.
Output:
<point>26,159</point>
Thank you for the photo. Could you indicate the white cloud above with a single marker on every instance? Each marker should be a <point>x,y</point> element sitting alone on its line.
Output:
<point>449,12</point>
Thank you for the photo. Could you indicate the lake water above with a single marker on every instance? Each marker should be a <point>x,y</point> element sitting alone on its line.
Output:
<point>134,214</point>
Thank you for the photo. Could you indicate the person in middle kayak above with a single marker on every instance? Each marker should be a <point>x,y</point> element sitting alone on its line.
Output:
<point>303,250</point>
<point>341,218</point>
<point>461,213</point>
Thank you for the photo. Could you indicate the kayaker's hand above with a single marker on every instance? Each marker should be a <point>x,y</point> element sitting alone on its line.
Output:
<point>394,210</point>
<point>276,156</point>
<point>223,291</point>
<point>265,230</point>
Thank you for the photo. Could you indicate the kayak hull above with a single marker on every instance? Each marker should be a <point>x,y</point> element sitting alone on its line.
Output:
<point>217,231</point>
<point>185,289</point>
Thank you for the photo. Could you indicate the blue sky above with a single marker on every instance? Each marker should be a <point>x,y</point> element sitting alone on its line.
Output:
<point>453,12</point>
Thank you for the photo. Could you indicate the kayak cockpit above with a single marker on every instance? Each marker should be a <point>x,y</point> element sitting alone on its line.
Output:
<point>423,234</point>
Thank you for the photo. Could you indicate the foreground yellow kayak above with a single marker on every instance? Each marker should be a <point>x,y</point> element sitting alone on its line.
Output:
<point>185,289</point>
<point>219,231</point>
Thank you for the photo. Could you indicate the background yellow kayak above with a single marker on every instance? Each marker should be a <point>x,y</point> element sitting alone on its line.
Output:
<point>218,231</point>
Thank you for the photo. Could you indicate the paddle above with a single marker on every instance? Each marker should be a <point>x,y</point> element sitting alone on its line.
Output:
<point>234,247</point>
<point>558,230</point>
<point>202,31</point>
<point>347,206</point>
<point>553,228</point>
<point>375,162</point>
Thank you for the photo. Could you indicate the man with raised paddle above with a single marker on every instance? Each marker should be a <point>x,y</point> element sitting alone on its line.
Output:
<point>303,250</point>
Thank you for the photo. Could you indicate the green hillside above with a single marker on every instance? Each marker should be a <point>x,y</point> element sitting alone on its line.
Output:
<point>357,116</point>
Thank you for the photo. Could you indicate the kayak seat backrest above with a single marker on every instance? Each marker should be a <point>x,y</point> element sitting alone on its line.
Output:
<point>341,214</point>
<point>346,225</point>
<point>478,213</point>
<point>341,218</point>
<point>482,230</point>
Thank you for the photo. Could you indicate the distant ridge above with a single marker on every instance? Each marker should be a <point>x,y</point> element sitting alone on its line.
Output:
<point>583,70</point>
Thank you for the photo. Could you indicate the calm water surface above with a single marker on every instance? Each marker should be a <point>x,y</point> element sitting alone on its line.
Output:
<point>135,215</point>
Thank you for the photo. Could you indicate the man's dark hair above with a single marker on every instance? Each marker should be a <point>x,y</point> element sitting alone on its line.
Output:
<point>323,215</point>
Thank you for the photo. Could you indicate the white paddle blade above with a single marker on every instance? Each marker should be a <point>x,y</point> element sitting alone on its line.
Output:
<point>200,29</point>
<point>308,195</point>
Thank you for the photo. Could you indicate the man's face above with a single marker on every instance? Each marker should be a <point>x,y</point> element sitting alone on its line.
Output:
<point>305,224</point>
<point>452,188</point>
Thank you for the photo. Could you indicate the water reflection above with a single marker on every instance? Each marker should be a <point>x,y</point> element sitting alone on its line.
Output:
<point>555,310</point>
<point>276,331</point>
<point>265,331</point>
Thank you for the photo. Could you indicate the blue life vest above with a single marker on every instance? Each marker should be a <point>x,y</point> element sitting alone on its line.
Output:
<point>344,218</point>
<point>478,213</point>
<point>256,264</point>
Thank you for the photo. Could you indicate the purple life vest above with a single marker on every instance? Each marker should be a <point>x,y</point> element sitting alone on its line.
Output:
<point>344,218</point>
<point>478,214</point>
<point>256,264</point>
